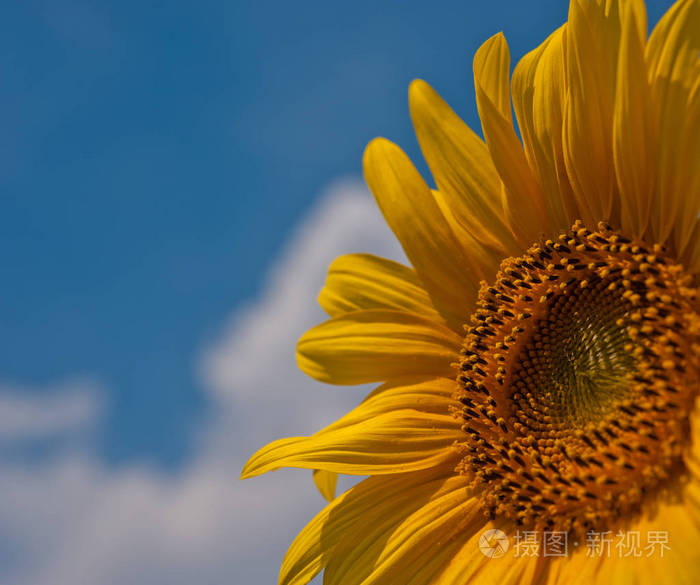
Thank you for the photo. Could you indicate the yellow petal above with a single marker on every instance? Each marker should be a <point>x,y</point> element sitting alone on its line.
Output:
<point>524,205</point>
<point>578,568</point>
<point>672,51</point>
<point>591,49</point>
<point>377,345</point>
<point>492,72</point>
<point>443,265</point>
<point>379,495</point>
<point>398,428</point>
<point>634,135</point>
<point>362,281</point>
<point>538,94</point>
<point>485,260</point>
<point>691,254</point>
<point>462,168</point>
<point>681,562</point>
<point>325,482</point>
<point>690,169</point>
<point>434,396</point>
<point>470,565</point>
<point>676,522</point>
<point>406,542</point>
<point>672,55</point>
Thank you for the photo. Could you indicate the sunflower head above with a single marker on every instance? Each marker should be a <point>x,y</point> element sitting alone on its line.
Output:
<point>540,358</point>
<point>578,375</point>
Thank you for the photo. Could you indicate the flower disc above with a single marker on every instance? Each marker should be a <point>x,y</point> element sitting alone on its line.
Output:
<point>576,380</point>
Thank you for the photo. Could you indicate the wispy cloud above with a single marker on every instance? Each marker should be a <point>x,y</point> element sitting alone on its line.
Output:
<point>67,409</point>
<point>75,520</point>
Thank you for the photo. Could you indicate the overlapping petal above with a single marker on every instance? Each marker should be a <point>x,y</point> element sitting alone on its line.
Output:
<point>326,482</point>
<point>362,281</point>
<point>672,57</point>
<point>408,543</point>
<point>469,564</point>
<point>590,50</point>
<point>634,124</point>
<point>376,499</point>
<point>538,89</point>
<point>397,428</point>
<point>463,170</point>
<point>377,345</point>
<point>446,269</point>
<point>524,207</point>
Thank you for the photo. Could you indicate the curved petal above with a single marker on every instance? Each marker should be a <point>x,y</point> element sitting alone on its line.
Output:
<point>436,396</point>
<point>326,482</point>
<point>443,265</point>
<point>538,91</point>
<point>397,428</point>
<point>667,549</point>
<point>690,169</point>
<point>470,565</point>
<point>406,540</point>
<point>634,133</point>
<point>389,494</point>
<point>524,205</point>
<point>462,168</point>
<point>672,58</point>
<point>363,281</point>
<point>591,49</point>
<point>578,568</point>
<point>375,346</point>
<point>485,259</point>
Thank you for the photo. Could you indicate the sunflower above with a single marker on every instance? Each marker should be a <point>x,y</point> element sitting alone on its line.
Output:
<point>538,419</point>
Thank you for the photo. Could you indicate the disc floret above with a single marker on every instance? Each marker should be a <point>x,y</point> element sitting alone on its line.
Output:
<point>578,374</point>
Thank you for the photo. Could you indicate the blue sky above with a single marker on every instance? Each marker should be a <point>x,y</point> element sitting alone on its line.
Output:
<point>156,161</point>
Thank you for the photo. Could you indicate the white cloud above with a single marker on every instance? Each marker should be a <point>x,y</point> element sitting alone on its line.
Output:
<point>74,520</point>
<point>69,408</point>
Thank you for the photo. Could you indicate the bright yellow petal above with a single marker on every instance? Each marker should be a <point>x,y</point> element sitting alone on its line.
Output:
<point>578,568</point>
<point>397,428</point>
<point>377,345</point>
<point>363,281</point>
<point>462,168</point>
<point>326,482</point>
<point>689,170</point>
<point>672,55</point>
<point>485,260</point>
<point>406,543</point>
<point>672,51</point>
<point>382,496</point>
<point>591,49</point>
<point>634,134</point>
<point>431,396</point>
<point>392,443</point>
<point>538,94</point>
<point>681,562</point>
<point>408,205</point>
<point>470,565</point>
<point>524,205</point>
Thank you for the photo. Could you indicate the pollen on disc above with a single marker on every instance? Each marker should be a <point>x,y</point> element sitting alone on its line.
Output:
<point>575,380</point>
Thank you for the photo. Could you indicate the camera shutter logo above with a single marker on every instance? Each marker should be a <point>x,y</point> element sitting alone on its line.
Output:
<point>494,543</point>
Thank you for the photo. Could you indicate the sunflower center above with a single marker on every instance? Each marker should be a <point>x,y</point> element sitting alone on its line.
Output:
<point>574,367</point>
<point>578,374</point>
